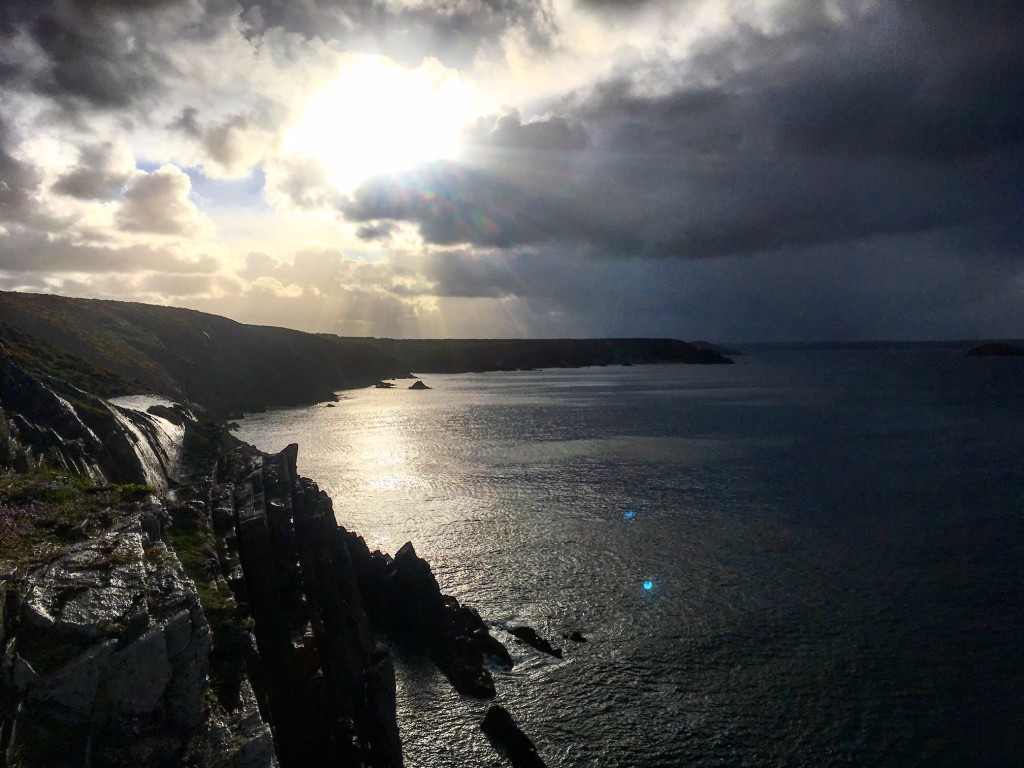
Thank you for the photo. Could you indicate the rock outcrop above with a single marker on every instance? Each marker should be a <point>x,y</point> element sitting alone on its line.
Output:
<point>105,660</point>
<point>324,685</point>
<point>404,600</point>
<point>219,617</point>
<point>529,636</point>
<point>509,738</point>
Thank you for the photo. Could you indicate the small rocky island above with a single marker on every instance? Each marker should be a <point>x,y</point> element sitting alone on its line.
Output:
<point>996,349</point>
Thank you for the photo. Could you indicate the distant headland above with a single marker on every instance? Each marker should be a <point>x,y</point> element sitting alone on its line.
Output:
<point>228,367</point>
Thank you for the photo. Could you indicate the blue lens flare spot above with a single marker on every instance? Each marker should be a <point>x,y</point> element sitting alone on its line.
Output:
<point>629,514</point>
<point>648,585</point>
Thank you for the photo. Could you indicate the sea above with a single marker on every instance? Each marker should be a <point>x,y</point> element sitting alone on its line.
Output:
<point>808,558</point>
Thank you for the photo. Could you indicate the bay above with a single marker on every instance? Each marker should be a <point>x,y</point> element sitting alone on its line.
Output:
<point>833,543</point>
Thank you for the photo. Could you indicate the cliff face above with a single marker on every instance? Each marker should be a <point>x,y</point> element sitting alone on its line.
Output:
<point>220,618</point>
<point>105,642</point>
<point>218,624</point>
<point>323,683</point>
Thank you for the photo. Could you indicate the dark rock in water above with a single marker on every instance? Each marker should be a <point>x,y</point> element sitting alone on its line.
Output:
<point>508,737</point>
<point>576,637</point>
<point>384,385</point>
<point>331,405</point>
<point>529,636</point>
<point>419,385</point>
<point>403,598</point>
<point>996,349</point>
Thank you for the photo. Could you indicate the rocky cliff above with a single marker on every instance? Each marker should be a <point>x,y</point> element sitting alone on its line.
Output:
<point>219,618</point>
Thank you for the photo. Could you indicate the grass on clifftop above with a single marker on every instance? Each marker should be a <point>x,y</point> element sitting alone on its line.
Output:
<point>42,358</point>
<point>44,510</point>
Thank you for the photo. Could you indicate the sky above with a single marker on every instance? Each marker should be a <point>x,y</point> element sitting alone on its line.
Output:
<point>730,170</point>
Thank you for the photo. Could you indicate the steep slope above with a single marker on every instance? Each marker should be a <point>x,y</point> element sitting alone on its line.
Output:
<point>212,361</point>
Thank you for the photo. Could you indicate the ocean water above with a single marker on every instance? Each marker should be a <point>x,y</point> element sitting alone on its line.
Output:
<point>833,541</point>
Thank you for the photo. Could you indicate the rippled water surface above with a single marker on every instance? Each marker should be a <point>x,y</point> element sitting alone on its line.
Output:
<point>834,541</point>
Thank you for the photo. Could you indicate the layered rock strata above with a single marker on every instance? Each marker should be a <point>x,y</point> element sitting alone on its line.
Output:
<point>105,656</point>
<point>324,685</point>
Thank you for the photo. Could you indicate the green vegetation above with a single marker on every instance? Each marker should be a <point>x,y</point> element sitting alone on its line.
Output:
<point>44,509</point>
<point>195,545</point>
<point>41,358</point>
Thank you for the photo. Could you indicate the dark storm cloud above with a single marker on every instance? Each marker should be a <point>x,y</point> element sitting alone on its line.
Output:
<point>822,131</point>
<point>465,275</point>
<point>456,204</point>
<point>18,180</point>
<point>551,133</point>
<point>891,287</point>
<point>88,54</point>
<point>97,176</point>
<point>376,231</point>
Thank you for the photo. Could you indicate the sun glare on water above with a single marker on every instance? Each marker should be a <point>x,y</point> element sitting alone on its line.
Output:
<point>379,117</point>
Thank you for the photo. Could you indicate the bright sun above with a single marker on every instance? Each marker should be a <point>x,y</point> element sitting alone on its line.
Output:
<point>380,118</point>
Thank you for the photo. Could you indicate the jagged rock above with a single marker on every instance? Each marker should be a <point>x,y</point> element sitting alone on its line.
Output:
<point>529,636</point>
<point>117,644</point>
<point>419,385</point>
<point>509,738</point>
<point>384,385</point>
<point>403,598</point>
<point>328,690</point>
<point>575,636</point>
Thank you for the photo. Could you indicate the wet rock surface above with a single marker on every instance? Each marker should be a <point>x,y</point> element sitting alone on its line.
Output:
<point>107,653</point>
